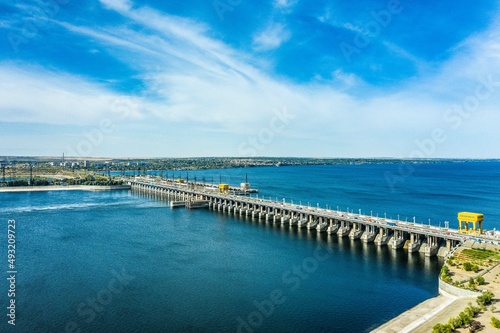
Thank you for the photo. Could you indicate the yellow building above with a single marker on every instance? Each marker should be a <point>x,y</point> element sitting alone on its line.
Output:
<point>223,188</point>
<point>470,223</point>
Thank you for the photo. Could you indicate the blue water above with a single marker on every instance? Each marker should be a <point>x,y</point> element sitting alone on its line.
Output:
<point>122,262</point>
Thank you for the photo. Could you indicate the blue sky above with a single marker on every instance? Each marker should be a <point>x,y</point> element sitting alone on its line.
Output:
<point>250,78</point>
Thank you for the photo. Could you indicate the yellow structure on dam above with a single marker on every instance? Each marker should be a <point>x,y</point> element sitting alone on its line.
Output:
<point>470,223</point>
<point>223,188</point>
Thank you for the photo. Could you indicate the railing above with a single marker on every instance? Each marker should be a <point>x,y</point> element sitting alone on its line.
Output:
<point>408,227</point>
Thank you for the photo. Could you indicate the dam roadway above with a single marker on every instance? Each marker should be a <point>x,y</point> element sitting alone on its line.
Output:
<point>413,237</point>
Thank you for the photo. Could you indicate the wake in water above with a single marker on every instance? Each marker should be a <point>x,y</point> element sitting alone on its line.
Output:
<point>80,206</point>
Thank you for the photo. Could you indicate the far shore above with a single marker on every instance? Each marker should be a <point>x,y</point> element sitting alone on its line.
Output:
<point>65,188</point>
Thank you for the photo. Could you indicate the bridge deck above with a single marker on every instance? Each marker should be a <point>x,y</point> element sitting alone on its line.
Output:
<point>288,208</point>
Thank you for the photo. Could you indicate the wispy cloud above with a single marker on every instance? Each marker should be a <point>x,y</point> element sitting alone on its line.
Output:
<point>271,37</point>
<point>192,82</point>
<point>36,95</point>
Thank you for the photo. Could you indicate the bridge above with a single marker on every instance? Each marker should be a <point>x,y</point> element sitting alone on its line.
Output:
<point>413,237</point>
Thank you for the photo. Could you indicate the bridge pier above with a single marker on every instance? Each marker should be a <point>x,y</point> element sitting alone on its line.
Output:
<point>303,220</point>
<point>277,217</point>
<point>383,237</point>
<point>398,240</point>
<point>255,212</point>
<point>431,246</point>
<point>355,231</point>
<point>322,224</point>
<point>345,228</point>
<point>313,222</point>
<point>369,234</point>
<point>414,243</point>
<point>333,227</point>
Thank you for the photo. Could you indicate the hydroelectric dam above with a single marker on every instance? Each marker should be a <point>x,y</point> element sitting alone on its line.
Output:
<point>414,237</point>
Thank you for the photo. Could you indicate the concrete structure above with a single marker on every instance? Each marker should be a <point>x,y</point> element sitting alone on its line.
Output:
<point>414,237</point>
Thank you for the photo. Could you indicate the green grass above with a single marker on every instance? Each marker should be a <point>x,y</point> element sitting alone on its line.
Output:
<point>479,254</point>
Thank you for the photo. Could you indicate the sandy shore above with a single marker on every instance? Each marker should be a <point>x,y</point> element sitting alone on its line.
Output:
<point>64,188</point>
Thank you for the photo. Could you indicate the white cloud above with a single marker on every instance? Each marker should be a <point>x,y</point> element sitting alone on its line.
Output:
<point>118,5</point>
<point>271,38</point>
<point>35,95</point>
<point>285,4</point>
<point>194,81</point>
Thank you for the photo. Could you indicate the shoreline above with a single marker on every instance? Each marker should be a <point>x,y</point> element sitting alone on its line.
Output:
<point>64,188</point>
<point>448,303</point>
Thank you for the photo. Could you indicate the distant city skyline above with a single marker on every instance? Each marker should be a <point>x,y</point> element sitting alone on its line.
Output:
<point>286,78</point>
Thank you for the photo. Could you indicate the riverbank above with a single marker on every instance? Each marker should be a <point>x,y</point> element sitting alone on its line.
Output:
<point>64,188</point>
<point>450,302</point>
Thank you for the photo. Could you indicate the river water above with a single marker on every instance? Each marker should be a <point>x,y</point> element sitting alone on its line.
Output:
<point>124,262</point>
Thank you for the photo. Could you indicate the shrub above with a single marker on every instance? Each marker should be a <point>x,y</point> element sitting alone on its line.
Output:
<point>485,298</point>
<point>480,280</point>
<point>469,312</point>
<point>448,279</point>
<point>475,268</point>
<point>467,266</point>
<point>495,322</point>
<point>455,322</point>
<point>475,309</point>
<point>442,328</point>
<point>466,318</point>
